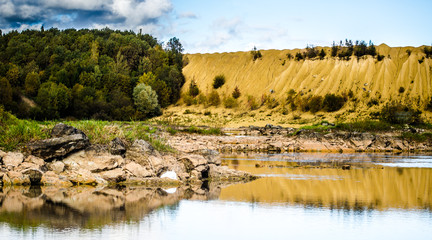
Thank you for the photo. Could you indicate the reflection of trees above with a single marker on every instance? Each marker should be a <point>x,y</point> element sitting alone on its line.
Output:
<point>89,207</point>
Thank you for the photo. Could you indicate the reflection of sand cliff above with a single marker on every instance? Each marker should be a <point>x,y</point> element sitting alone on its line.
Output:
<point>89,207</point>
<point>375,188</point>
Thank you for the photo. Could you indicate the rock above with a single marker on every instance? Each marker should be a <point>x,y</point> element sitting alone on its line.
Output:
<point>224,173</point>
<point>192,161</point>
<point>212,156</point>
<point>35,175</point>
<point>57,167</point>
<point>92,161</point>
<point>13,159</point>
<point>17,178</point>
<point>58,147</point>
<point>144,154</point>
<point>61,129</point>
<point>138,170</point>
<point>35,160</point>
<point>81,177</point>
<point>116,175</point>
<point>2,154</point>
<point>117,147</point>
<point>50,178</point>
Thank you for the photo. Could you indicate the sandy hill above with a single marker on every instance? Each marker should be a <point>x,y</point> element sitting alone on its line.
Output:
<point>274,71</point>
<point>366,77</point>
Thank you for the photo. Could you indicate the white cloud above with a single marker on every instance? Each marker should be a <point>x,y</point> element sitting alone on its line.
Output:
<point>7,8</point>
<point>189,15</point>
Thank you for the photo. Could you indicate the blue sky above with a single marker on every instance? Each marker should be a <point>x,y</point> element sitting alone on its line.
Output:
<point>235,25</point>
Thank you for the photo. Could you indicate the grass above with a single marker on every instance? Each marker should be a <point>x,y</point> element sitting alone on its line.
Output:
<point>16,133</point>
<point>203,131</point>
<point>417,137</point>
<point>366,126</point>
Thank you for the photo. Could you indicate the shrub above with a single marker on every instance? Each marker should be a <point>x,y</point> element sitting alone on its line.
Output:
<point>189,100</point>
<point>332,102</point>
<point>146,101</point>
<point>421,60</point>
<point>428,51</point>
<point>230,102</point>
<point>380,57</point>
<point>202,99</point>
<point>236,93</point>
<point>298,57</point>
<point>193,89</point>
<point>289,56</point>
<point>256,53</point>
<point>401,90</point>
<point>252,103</point>
<point>218,81</point>
<point>372,102</point>
<point>315,104</point>
<point>398,113</point>
<point>213,99</point>
<point>429,105</point>
<point>322,54</point>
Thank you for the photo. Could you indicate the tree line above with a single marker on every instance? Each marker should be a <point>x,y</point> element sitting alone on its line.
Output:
<point>83,74</point>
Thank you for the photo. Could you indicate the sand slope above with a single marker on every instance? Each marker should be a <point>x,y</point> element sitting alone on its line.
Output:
<point>366,77</point>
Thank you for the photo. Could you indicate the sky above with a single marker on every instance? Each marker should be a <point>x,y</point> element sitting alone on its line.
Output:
<point>235,25</point>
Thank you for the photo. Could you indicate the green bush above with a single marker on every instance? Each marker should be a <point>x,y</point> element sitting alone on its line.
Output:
<point>401,90</point>
<point>315,104</point>
<point>230,102</point>
<point>193,89</point>
<point>218,81</point>
<point>429,105</point>
<point>333,102</point>
<point>398,113</point>
<point>189,100</point>
<point>256,54</point>
<point>213,99</point>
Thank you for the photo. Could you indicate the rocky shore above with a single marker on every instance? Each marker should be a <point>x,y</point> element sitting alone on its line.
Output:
<point>68,159</point>
<point>277,139</point>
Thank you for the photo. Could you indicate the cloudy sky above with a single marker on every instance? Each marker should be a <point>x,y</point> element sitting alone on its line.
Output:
<point>235,25</point>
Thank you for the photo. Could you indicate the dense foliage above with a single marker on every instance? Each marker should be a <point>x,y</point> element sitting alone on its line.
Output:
<point>86,73</point>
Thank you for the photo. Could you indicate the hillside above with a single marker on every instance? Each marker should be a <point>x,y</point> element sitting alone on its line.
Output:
<point>404,74</point>
<point>274,71</point>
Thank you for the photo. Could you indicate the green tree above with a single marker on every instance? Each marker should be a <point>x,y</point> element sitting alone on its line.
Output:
<point>145,99</point>
<point>5,92</point>
<point>218,81</point>
<point>32,84</point>
<point>193,89</point>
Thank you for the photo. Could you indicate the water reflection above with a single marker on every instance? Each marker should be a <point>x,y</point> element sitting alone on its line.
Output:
<point>322,183</point>
<point>89,207</point>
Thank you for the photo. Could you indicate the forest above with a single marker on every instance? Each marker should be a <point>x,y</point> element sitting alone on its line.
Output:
<point>88,74</point>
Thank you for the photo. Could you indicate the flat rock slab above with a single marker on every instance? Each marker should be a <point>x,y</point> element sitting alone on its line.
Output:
<point>58,147</point>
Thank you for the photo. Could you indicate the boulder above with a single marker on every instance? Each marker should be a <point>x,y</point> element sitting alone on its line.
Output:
<point>117,147</point>
<point>137,170</point>
<point>57,167</point>
<point>35,175</point>
<point>13,159</point>
<point>50,178</point>
<point>17,178</point>
<point>115,175</point>
<point>58,147</point>
<point>81,177</point>
<point>92,161</point>
<point>35,160</point>
<point>144,154</point>
<point>224,173</point>
<point>61,129</point>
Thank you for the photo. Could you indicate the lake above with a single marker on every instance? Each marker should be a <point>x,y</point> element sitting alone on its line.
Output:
<point>300,196</point>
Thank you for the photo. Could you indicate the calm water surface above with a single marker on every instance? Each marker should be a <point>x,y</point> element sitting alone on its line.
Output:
<point>301,196</point>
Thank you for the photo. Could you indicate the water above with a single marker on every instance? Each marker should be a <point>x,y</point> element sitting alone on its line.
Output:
<point>301,196</point>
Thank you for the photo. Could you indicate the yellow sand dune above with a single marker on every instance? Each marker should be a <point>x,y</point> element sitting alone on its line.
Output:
<point>366,77</point>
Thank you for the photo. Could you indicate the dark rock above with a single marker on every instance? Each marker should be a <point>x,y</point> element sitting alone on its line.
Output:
<point>58,147</point>
<point>61,129</point>
<point>117,147</point>
<point>346,167</point>
<point>35,175</point>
